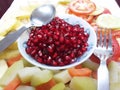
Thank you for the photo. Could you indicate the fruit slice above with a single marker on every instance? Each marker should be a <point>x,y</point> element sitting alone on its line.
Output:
<point>108,21</point>
<point>59,76</point>
<point>64,2</point>
<point>59,86</point>
<point>79,83</point>
<point>67,88</point>
<point>3,67</point>
<point>41,77</point>
<point>115,86</point>
<point>8,54</point>
<point>1,88</point>
<point>98,10</point>
<point>119,74</point>
<point>13,84</point>
<point>26,63</point>
<point>24,87</point>
<point>90,64</point>
<point>11,73</point>
<point>113,71</point>
<point>10,24</point>
<point>26,73</point>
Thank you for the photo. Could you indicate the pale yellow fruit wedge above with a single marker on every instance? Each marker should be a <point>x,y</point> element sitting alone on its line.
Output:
<point>29,5</point>
<point>99,10</point>
<point>8,25</point>
<point>59,76</point>
<point>26,63</point>
<point>119,75</point>
<point>23,15</point>
<point>59,86</point>
<point>26,8</point>
<point>11,73</point>
<point>26,73</point>
<point>108,21</point>
<point>25,87</point>
<point>1,88</point>
<point>3,67</point>
<point>83,83</point>
<point>115,86</point>
<point>64,2</point>
<point>67,88</point>
<point>6,54</point>
<point>90,64</point>
<point>41,77</point>
<point>113,71</point>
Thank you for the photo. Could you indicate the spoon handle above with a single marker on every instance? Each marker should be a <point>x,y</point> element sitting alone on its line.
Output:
<point>10,38</point>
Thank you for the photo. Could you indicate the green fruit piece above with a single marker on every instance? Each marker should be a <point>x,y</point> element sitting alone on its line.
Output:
<point>59,86</point>
<point>67,88</point>
<point>62,76</point>
<point>89,64</point>
<point>3,67</point>
<point>11,73</point>
<point>27,64</point>
<point>113,71</point>
<point>26,73</point>
<point>1,88</point>
<point>24,87</point>
<point>41,77</point>
<point>115,86</point>
<point>108,21</point>
<point>83,83</point>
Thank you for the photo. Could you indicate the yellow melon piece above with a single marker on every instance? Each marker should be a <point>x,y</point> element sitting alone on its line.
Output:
<point>108,21</point>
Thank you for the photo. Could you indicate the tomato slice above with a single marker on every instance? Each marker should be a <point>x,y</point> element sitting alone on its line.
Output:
<point>116,33</point>
<point>82,7</point>
<point>88,18</point>
<point>116,46</point>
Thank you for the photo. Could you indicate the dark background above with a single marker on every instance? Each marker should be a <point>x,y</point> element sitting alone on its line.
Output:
<point>118,1</point>
<point>4,5</point>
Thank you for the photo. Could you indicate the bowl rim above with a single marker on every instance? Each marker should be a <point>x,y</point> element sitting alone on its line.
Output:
<point>21,44</point>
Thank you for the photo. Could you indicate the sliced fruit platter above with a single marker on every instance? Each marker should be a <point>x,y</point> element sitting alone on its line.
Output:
<point>18,74</point>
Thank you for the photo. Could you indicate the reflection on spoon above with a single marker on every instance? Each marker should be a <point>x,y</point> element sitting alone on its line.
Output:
<point>42,15</point>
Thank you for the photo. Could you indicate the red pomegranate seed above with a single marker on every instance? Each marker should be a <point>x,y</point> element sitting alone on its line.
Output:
<point>54,63</point>
<point>58,43</point>
<point>40,60</point>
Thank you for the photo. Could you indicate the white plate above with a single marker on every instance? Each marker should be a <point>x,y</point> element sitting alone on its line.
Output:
<point>72,20</point>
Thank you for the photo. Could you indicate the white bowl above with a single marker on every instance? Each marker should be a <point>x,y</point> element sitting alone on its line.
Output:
<point>92,40</point>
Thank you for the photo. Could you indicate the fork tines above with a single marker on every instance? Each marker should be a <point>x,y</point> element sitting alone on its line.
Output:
<point>104,38</point>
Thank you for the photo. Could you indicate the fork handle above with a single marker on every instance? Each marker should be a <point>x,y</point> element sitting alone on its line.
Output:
<point>103,76</point>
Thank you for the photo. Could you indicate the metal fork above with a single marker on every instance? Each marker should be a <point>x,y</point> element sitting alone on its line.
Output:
<point>103,51</point>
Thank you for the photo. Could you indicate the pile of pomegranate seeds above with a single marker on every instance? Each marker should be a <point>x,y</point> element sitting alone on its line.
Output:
<point>58,43</point>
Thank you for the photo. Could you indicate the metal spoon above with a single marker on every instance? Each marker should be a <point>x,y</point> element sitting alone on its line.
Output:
<point>40,16</point>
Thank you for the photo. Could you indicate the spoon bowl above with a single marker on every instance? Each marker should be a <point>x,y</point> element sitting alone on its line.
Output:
<point>43,15</point>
